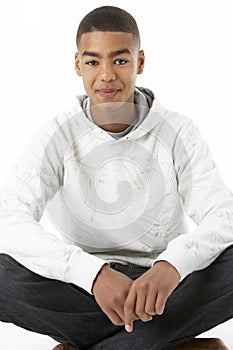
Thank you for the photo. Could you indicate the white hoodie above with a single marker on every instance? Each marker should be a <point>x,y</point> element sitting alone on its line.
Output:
<point>115,199</point>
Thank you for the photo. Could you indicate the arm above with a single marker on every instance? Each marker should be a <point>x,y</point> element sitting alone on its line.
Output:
<point>33,182</point>
<point>209,203</point>
<point>206,200</point>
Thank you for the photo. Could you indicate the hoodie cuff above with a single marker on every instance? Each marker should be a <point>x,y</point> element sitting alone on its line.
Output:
<point>185,262</point>
<point>82,269</point>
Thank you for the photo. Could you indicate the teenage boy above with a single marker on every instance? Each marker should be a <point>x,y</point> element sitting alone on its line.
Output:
<point>117,174</point>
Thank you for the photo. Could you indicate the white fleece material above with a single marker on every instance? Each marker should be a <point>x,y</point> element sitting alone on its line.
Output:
<point>115,199</point>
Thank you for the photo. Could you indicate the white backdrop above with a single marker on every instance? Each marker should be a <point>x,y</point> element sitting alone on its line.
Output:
<point>189,55</point>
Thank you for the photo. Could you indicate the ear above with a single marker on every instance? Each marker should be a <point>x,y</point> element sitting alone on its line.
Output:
<point>141,61</point>
<point>77,64</point>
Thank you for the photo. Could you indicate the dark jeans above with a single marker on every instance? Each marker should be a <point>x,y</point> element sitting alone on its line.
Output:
<point>69,314</point>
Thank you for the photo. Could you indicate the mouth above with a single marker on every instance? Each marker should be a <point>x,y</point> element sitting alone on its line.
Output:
<point>108,93</point>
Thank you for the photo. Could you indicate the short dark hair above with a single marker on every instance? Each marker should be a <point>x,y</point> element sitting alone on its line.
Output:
<point>108,19</point>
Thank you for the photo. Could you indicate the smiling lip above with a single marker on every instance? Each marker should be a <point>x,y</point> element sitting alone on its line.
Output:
<point>108,93</point>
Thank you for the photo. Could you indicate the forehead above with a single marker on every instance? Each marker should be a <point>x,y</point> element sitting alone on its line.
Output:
<point>107,41</point>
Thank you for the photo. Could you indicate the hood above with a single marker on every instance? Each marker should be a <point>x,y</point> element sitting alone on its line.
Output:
<point>155,112</point>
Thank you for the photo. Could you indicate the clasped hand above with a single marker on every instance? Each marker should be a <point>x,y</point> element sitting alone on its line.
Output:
<point>124,300</point>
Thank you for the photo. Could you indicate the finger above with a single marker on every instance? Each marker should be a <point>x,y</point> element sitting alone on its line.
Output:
<point>150,307</point>
<point>129,314</point>
<point>115,318</point>
<point>140,306</point>
<point>119,310</point>
<point>160,303</point>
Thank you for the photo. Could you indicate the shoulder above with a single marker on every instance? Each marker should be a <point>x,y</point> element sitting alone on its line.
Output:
<point>174,120</point>
<point>58,133</point>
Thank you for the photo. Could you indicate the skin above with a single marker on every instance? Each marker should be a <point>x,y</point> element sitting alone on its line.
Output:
<point>124,300</point>
<point>109,63</point>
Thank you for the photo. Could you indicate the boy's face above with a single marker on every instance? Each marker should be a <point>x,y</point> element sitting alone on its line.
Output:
<point>109,63</point>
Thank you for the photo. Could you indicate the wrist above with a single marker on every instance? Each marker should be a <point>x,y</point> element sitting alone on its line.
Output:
<point>168,266</point>
<point>99,275</point>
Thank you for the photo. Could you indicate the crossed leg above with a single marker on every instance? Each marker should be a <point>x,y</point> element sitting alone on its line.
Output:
<point>71,316</point>
<point>201,302</point>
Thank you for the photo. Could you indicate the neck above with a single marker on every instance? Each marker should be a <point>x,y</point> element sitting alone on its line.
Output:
<point>114,117</point>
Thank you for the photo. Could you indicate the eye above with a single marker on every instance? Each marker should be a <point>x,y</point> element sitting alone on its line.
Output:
<point>92,63</point>
<point>120,61</point>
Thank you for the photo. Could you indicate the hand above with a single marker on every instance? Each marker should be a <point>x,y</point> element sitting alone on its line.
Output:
<point>149,293</point>
<point>110,290</point>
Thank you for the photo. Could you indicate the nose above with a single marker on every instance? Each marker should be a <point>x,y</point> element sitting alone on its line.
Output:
<point>107,73</point>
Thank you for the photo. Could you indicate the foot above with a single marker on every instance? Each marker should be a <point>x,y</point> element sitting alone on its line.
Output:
<point>64,346</point>
<point>202,344</point>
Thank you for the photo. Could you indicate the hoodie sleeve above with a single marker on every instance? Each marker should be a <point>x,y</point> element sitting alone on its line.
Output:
<point>206,200</point>
<point>33,182</point>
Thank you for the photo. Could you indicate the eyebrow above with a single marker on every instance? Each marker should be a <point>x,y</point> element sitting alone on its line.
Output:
<point>112,54</point>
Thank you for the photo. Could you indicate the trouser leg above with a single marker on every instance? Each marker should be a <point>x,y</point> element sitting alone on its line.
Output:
<point>202,301</point>
<point>60,310</point>
<point>69,314</point>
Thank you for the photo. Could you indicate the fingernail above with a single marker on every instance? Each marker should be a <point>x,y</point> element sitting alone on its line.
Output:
<point>128,328</point>
<point>160,312</point>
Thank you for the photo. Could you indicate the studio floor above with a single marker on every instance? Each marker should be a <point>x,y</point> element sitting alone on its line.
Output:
<point>12,337</point>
